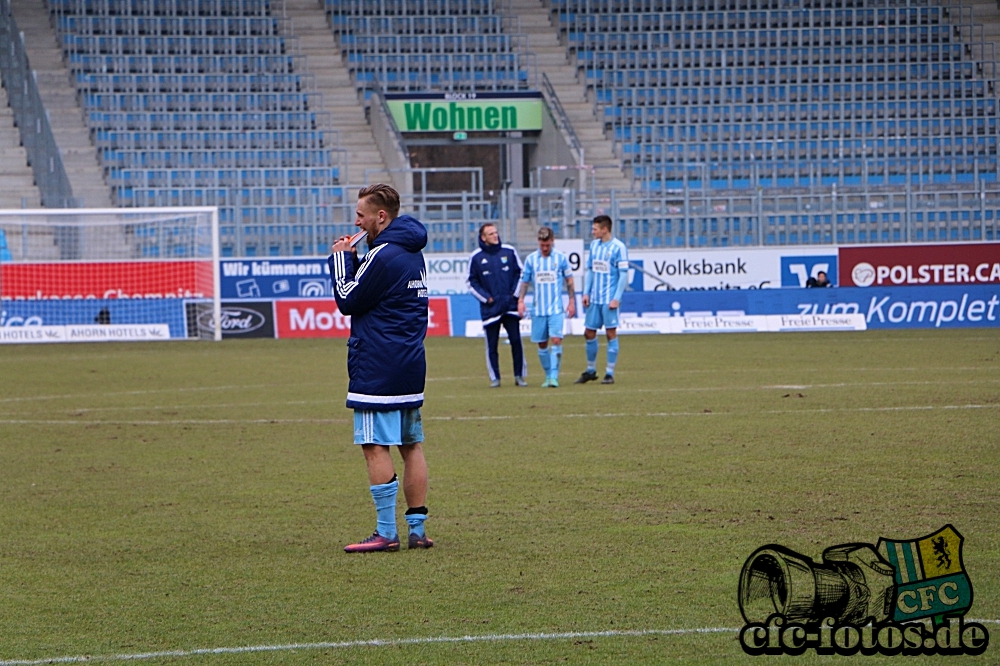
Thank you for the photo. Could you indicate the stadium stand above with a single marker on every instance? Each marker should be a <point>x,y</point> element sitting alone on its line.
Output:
<point>425,45</point>
<point>738,121</point>
<point>204,103</point>
<point>880,101</point>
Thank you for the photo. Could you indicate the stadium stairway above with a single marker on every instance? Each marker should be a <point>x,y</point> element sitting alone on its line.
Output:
<point>340,98</point>
<point>552,58</point>
<point>18,189</point>
<point>987,14</point>
<point>59,97</point>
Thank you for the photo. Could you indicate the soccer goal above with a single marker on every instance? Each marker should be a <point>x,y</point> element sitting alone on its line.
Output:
<point>85,275</point>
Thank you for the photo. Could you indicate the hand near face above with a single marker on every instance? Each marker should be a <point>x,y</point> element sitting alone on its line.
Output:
<point>342,244</point>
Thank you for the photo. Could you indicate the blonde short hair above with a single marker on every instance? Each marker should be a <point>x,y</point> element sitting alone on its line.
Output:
<point>383,197</point>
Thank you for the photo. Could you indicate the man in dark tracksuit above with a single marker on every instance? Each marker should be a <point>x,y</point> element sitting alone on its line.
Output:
<point>494,271</point>
<point>385,295</point>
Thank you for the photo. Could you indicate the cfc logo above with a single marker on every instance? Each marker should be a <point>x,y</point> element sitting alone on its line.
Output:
<point>899,597</point>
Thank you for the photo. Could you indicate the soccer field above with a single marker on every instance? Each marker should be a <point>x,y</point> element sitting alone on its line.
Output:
<point>181,497</point>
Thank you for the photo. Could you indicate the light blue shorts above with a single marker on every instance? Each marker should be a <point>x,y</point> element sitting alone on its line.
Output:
<point>400,426</point>
<point>599,314</point>
<point>544,327</point>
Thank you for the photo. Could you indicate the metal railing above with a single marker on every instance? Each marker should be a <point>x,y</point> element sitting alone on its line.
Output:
<point>561,119</point>
<point>695,218</point>
<point>31,117</point>
<point>452,226</point>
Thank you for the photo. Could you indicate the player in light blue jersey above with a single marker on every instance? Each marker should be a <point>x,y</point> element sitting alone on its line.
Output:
<point>604,284</point>
<point>546,271</point>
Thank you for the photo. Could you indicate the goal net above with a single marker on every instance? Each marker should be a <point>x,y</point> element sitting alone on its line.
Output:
<point>83,275</point>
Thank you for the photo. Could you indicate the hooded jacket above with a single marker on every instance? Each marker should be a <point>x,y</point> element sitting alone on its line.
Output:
<point>385,294</point>
<point>494,272</point>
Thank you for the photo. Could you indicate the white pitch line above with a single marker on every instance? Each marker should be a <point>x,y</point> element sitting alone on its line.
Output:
<point>185,389</point>
<point>692,389</point>
<point>501,417</point>
<point>770,387</point>
<point>377,642</point>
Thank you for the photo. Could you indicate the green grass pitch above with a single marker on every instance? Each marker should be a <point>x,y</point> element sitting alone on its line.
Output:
<point>184,495</point>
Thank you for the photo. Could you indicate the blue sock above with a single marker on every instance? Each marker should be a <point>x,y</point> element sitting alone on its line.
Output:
<point>612,355</point>
<point>543,357</point>
<point>555,361</point>
<point>415,519</point>
<point>384,495</point>
<point>592,355</point>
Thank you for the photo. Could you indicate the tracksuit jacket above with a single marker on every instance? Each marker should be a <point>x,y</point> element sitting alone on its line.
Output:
<point>494,271</point>
<point>385,294</point>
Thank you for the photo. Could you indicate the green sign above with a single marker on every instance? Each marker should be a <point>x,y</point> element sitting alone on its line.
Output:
<point>477,115</point>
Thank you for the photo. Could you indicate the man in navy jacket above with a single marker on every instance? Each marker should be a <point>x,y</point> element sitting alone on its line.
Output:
<point>494,272</point>
<point>385,295</point>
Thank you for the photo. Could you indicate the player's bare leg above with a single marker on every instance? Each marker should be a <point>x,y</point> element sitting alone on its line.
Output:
<point>544,357</point>
<point>555,360</point>
<point>590,374</point>
<point>609,374</point>
<point>415,491</point>
<point>380,467</point>
<point>383,486</point>
<point>414,475</point>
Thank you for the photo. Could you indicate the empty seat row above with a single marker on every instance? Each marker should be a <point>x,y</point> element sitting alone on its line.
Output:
<point>756,39</point>
<point>759,58</point>
<point>822,92</point>
<point>661,6</point>
<point>231,197</point>
<point>763,38</point>
<point>111,64</point>
<point>193,83</point>
<point>435,61</point>
<point>161,7</point>
<point>200,103</point>
<point>403,44</point>
<point>626,62</point>
<point>752,131</point>
<point>417,25</point>
<point>796,173</point>
<point>205,140</point>
<point>943,113</point>
<point>175,45</point>
<point>214,159</point>
<point>411,7</point>
<point>405,80</point>
<point>203,122</point>
<point>723,20</point>
<point>762,75</point>
<point>673,148</point>
<point>171,25</point>
<point>222,178</point>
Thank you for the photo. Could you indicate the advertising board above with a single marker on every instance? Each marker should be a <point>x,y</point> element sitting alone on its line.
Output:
<point>240,319</point>
<point>881,307</point>
<point>732,268</point>
<point>306,318</point>
<point>309,277</point>
<point>106,280</point>
<point>941,264</point>
<point>18,314</point>
<point>460,112</point>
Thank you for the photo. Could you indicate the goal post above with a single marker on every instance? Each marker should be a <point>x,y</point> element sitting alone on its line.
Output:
<point>118,274</point>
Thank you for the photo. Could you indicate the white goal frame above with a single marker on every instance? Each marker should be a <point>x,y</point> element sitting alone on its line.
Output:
<point>19,250</point>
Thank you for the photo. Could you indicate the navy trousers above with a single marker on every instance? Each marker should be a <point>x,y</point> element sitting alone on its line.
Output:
<point>513,326</point>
